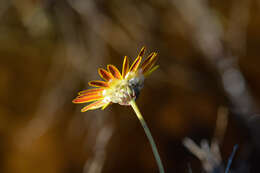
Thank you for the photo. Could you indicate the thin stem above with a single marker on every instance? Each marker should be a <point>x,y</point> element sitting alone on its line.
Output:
<point>231,158</point>
<point>149,136</point>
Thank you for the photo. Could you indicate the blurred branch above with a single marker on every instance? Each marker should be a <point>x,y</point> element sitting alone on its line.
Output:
<point>207,35</point>
<point>221,124</point>
<point>209,153</point>
<point>95,164</point>
<point>231,158</point>
<point>210,160</point>
<point>33,16</point>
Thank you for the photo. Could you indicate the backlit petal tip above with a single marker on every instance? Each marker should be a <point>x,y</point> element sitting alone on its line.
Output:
<point>142,51</point>
<point>148,59</point>
<point>86,99</point>
<point>92,90</point>
<point>150,71</point>
<point>98,83</point>
<point>149,62</point>
<point>125,66</point>
<point>136,64</point>
<point>114,71</point>
<point>105,74</point>
<point>92,106</point>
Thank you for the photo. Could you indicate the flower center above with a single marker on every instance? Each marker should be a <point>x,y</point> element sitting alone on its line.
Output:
<point>124,90</point>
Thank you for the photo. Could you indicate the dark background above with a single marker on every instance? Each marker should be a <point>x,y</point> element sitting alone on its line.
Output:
<point>49,49</point>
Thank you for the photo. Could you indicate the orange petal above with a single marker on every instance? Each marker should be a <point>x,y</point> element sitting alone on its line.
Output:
<point>135,64</point>
<point>90,94</point>
<point>93,90</point>
<point>147,65</point>
<point>85,99</point>
<point>114,71</point>
<point>125,66</point>
<point>94,105</point>
<point>105,74</point>
<point>141,53</point>
<point>98,83</point>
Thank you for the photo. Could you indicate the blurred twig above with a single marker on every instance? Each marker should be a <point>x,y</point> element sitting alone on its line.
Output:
<point>207,35</point>
<point>221,124</point>
<point>95,164</point>
<point>231,158</point>
<point>209,153</point>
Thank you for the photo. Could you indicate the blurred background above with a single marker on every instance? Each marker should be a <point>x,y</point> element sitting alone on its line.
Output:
<point>200,103</point>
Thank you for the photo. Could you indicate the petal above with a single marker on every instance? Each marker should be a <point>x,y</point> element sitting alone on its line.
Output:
<point>85,99</point>
<point>90,94</point>
<point>141,53</point>
<point>125,66</point>
<point>150,71</point>
<point>146,67</point>
<point>135,64</point>
<point>105,74</point>
<point>106,105</point>
<point>114,71</point>
<point>93,90</point>
<point>98,83</point>
<point>94,105</point>
<point>147,60</point>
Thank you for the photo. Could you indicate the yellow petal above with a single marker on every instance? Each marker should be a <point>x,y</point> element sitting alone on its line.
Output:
<point>106,105</point>
<point>152,70</point>
<point>135,64</point>
<point>147,65</point>
<point>125,66</point>
<point>142,51</point>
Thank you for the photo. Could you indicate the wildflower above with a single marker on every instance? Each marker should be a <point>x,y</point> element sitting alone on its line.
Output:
<point>122,89</point>
<point>118,87</point>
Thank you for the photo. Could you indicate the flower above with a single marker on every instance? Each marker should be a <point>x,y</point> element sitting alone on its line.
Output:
<point>116,87</point>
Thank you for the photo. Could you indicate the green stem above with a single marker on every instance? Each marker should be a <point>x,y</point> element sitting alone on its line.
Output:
<point>149,136</point>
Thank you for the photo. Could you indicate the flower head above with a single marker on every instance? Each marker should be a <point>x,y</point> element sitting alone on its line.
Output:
<point>118,87</point>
